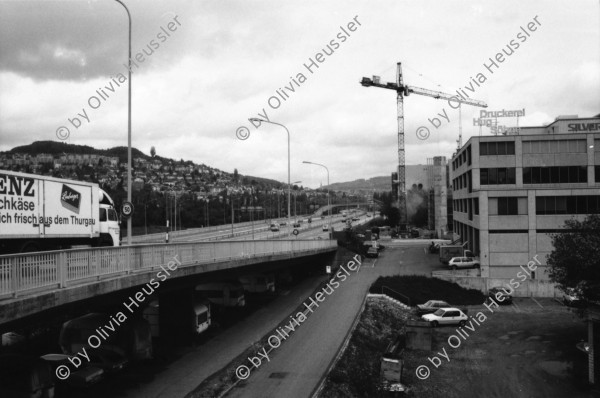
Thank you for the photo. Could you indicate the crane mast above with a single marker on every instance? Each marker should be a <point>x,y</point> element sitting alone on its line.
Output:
<point>401,194</point>
<point>401,91</point>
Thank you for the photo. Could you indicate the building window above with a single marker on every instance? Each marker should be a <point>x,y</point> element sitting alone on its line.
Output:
<point>555,174</point>
<point>555,146</point>
<point>497,148</point>
<point>496,176</point>
<point>508,206</point>
<point>469,155</point>
<point>597,172</point>
<point>476,206</point>
<point>483,148</point>
<point>483,176</point>
<point>583,204</point>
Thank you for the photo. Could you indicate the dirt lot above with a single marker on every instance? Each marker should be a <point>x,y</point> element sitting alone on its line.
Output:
<point>526,349</point>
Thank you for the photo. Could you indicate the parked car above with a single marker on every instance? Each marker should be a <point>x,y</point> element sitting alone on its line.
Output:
<point>431,306</point>
<point>355,219</point>
<point>499,295</point>
<point>83,376</point>
<point>282,223</point>
<point>572,298</point>
<point>446,316</point>
<point>372,252</point>
<point>274,227</point>
<point>325,227</point>
<point>463,262</point>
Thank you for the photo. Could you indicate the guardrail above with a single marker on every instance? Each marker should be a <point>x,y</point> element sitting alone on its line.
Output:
<point>396,295</point>
<point>160,236</point>
<point>42,271</point>
<point>259,227</point>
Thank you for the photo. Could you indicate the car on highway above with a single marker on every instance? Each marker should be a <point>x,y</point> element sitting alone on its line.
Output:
<point>325,227</point>
<point>274,227</point>
<point>282,223</point>
<point>296,224</point>
<point>355,219</point>
<point>431,306</point>
<point>499,295</point>
<point>372,252</point>
<point>463,262</point>
<point>446,316</point>
<point>368,214</point>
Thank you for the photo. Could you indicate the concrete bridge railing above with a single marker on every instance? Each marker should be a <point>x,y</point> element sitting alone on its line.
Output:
<point>46,271</point>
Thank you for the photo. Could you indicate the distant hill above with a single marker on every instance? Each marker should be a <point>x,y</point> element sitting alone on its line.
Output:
<point>58,148</point>
<point>415,174</point>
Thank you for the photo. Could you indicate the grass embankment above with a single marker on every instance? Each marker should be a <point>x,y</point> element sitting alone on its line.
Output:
<point>356,374</point>
<point>418,289</point>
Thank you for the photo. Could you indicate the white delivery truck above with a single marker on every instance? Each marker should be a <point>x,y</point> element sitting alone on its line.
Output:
<point>46,213</point>
<point>200,317</point>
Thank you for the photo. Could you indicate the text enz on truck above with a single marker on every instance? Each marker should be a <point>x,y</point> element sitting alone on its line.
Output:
<point>46,213</point>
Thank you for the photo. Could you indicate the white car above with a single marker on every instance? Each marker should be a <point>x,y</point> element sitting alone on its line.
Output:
<point>446,316</point>
<point>463,262</point>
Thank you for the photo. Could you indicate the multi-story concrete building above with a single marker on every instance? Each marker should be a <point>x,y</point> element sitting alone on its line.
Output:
<point>437,182</point>
<point>511,192</point>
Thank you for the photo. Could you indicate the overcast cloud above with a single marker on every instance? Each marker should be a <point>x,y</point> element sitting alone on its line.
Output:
<point>227,58</point>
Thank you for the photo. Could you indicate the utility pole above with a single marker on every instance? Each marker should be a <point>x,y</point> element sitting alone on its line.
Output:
<point>231,216</point>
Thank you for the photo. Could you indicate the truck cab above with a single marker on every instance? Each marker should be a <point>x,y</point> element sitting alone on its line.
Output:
<point>109,221</point>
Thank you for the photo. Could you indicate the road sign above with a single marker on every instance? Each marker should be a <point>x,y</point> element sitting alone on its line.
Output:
<point>295,232</point>
<point>127,209</point>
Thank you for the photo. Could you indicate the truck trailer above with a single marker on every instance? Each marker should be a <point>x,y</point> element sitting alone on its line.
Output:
<point>46,213</point>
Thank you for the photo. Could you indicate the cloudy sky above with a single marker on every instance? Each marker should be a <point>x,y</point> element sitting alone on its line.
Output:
<point>207,66</point>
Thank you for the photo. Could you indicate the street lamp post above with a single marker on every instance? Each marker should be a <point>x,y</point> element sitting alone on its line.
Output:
<point>328,199</point>
<point>129,220</point>
<point>296,194</point>
<point>288,150</point>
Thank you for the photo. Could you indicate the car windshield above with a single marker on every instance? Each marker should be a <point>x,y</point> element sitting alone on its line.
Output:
<point>428,304</point>
<point>439,312</point>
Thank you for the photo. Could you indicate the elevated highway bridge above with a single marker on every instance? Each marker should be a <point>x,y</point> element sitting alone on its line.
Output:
<point>35,282</point>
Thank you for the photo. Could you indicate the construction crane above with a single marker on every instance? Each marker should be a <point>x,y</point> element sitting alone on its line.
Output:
<point>402,91</point>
